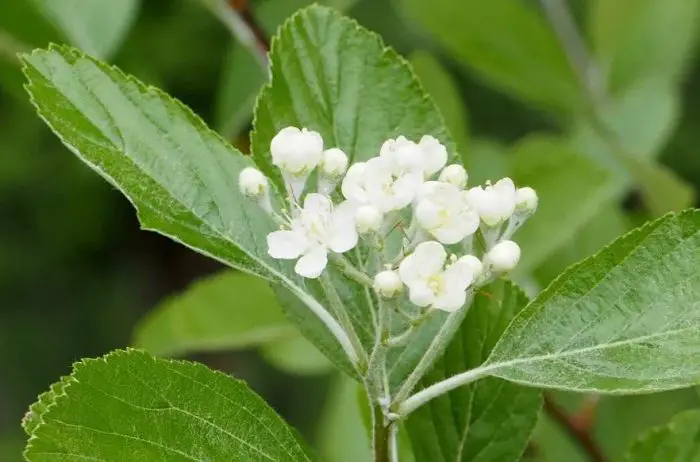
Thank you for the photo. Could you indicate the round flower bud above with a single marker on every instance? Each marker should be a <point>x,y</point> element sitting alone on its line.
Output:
<point>526,199</point>
<point>454,174</point>
<point>296,151</point>
<point>368,219</point>
<point>504,256</point>
<point>388,284</point>
<point>334,163</point>
<point>252,182</point>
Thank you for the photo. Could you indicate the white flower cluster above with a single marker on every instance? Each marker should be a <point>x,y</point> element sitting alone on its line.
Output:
<point>406,194</point>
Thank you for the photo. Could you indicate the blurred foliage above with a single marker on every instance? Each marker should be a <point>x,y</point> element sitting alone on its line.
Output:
<point>607,146</point>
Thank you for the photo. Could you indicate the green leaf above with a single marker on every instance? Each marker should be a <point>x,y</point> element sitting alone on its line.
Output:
<point>489,420</point>
<point>96,26</point>
<point>129,405</point>
<point>296,355</point>
<point>331,75</point>
<point>636,39</point>
<point>229,310</point>
<point>507,43</point>
<point>552,167</point>
<point>181,177</point>
<point>679,441</point>
<point>623,321</point>
<point>33,417</point>
<point>441,86</point>
<point>342,435</point>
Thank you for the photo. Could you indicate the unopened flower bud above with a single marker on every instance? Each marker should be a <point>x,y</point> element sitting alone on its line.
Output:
<point>334,163</point>
<point>368,219</point>
<point>388,284</point>
<point>454,174</point>
<point>252,183</point>
<point>296,153</point>
<point>526,199</point>
<point>504,256</point>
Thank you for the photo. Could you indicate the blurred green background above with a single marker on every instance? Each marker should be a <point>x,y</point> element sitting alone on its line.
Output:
<point>601,116</point>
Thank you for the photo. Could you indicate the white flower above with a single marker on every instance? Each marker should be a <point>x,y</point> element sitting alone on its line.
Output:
<point>526,200</point>
<point>444,211</point>
<point>504,256</point>
<point>431,284</point>
<point>383,182</point>
<point>317,228</point>
<point>434,155</point>
<point>296,153</point>
<point>252,183</point>
<point>388,284</point>
<point>403,154</point>
<point>334,162</point>
<point>494,203</point>
<point>454,174</point>
<point>368,219</point>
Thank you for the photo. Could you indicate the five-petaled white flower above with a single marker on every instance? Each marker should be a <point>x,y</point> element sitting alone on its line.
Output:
<point>296,153</point>
<point>494,203</point>
<point>388,183</point>
<point>444,211</point>
<point>430,283</point>
<point>315,229</point>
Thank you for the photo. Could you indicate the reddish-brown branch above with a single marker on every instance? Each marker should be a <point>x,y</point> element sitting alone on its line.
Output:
<point>578,425</point>
<point>242,7</point>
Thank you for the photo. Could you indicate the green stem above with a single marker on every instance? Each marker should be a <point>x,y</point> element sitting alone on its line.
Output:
<point>381,438</point>
<point>349,269</point>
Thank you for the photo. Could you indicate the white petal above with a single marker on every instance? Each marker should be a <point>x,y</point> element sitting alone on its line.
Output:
<point>428,215</point>
<point>421,295</point>
<point>426,261</point>
<point>353,184</point>
<point>450,300</point>
<point>468,221</point>
<point>281,142</point>
<point>318,205</point>
<point>312,263</point>
<point>434,155</point>
<point>343,231</point>
<point>460,274</point>
<point>450,233</point>
<point>286,245</point>
<point>405,189</point>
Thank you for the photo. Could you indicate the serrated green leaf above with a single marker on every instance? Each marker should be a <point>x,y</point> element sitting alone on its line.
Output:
<point>679,441</point>
<point>636,39</point>
<point>507,43</point>
<point>129,405</point>
<point>96,26</point>
<point>489,420</point>
<point>551,166</point>
<point>331,75</point>
<point>626,320</point>
<point>229,310</point>
<point>181,177</point>
<point>441,86</point>
<point>33,417</point>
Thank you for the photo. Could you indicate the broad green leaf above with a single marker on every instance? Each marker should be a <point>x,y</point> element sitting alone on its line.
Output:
<point>607,224</point>
<point>679,441</point>
<point>489,420</point>
<point>507,43</point>
<point>636,39</point>
<point>486,160</point>
<point>129,405</point>
<point>626,320</point>
<point>342,436</point>
<point>571,188</point>
<point>229,310</point>
<point>181,177</point>
<point>95,26</point>
<point>296,355</point>
<point>441,86</point>
<point>332,76</point>
<point>33,417</point>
